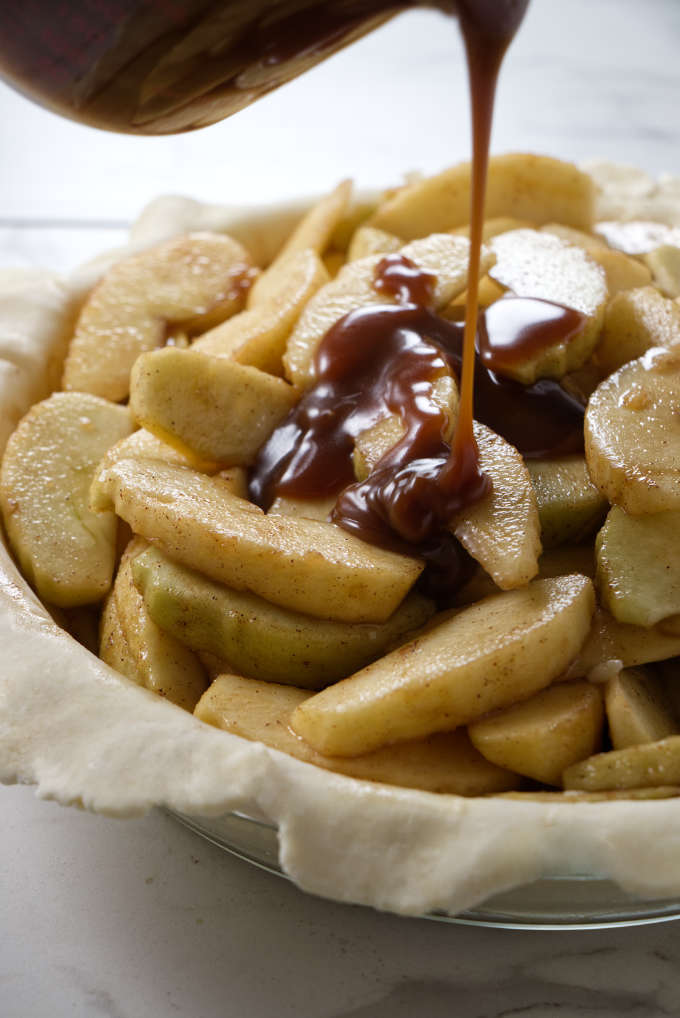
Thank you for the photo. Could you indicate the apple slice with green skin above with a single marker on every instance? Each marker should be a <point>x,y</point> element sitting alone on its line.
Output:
<point>128,312</point>
<point>543,735</point>
<point>463,665</point>
<point>258,638</point>
<point>312,567</point>
<point>569,505</point>
<point>66,551</point>
<point>133,643</point>
<point>209,407</point>
<point>260,711</point>
<point>632,434</point>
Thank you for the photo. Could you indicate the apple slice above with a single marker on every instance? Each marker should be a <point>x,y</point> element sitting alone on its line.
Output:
<point>261,639</point>
<point>638,709</point>
<point>647,765</point>
<point>312,233</point>
<point>537,188</point>
<point>440,763</point>
<point>257,337</point>
<point>613,645</point>
<point>635,321</point>
<point>66,551</point>
<point>632,437</point>
<point>542,266</point>
<point>129,311</point>
<point>211,408</point>
<point>638,566</point>
<point>312,567</point>
<point>441,255</point>
<point>542,736</point>
<point>621,271</point>
<point>485,657</point>
<point>368,240</point>
<point>133,643</point>
<point>502,531</point>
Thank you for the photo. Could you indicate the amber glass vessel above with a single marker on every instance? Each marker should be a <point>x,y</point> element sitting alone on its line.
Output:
<point>162,66</point>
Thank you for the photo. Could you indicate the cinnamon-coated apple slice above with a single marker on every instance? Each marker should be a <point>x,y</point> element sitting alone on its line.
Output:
<point>312,233</point>
<point>211,408</point>
<point>443,256</point>
<point>369,240</point>
<point>312,567</point>
<point>642,766</point>
<point>635,321</point>
<point>632,437</point>
<point>133,643</point>
<point>257,336</point>
<point>502,531</point>
<point>446,762</point>
<point>543,735</point>
<point>463,665</point>
<point>542,266</point>
<point>638,709</point>
<point>129,311</point>
<point>537,188</point>
<point>66,551</point>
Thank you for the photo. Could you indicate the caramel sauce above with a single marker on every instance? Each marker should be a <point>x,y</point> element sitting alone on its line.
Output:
<point>382,361</point>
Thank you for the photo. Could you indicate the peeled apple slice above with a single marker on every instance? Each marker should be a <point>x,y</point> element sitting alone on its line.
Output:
<point>129,311</point>
<point>441,255</point>
<point>66,551</point>
<point>312,567</point>
<point>632,434</point>
<point>445,762</point>
<point>621,271</point>
<point>638,566</point>
<point>542,266</point>
<point>546,733</point>
<point>161,663</point>
<point>638,709</point>
<point>635,321</point>
<point>502,531</point>
<point>485,657</point>
<point>311,234</point>
<point>368,240</point>
<point>643,766</point>
<point>211,408</point>
<point>613,645</point>
<point>525,186</point>
<point>258,336</point>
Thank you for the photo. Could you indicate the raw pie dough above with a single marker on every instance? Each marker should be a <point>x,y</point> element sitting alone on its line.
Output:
<point>86,736</point>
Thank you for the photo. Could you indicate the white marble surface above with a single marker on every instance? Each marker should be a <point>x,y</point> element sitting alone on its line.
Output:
<point>139,918</point>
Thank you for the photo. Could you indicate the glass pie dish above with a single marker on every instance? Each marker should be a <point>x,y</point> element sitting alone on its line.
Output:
<point>87,737</point>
